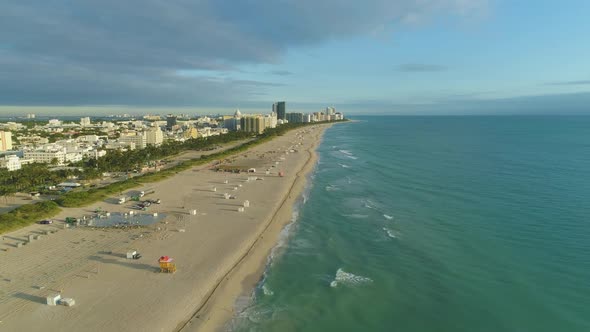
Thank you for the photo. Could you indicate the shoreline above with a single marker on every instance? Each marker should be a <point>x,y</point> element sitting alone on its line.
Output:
<point>221,253</point>
<point>218,309</point>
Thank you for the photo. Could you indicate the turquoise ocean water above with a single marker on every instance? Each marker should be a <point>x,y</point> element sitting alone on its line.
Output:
<point>437,224</point>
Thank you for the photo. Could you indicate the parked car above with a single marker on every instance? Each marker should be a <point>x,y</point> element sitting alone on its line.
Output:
<point>46,222</point>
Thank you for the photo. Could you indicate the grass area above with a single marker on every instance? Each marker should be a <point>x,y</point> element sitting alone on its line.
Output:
<point>27,214</point>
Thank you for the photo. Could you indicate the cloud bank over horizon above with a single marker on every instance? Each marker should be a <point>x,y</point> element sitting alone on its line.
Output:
<point>180,53</point>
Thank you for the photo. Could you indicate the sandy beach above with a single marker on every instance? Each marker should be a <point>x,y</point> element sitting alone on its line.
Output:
<point>220,252</point>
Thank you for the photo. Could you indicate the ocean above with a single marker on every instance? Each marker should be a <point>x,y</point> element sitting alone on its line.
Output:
<point>436,224</point>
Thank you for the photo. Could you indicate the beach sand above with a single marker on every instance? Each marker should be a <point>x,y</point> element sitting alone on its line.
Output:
<point>220,252</point>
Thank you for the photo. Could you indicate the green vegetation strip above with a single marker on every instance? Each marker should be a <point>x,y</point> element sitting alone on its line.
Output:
<point>27,215</point>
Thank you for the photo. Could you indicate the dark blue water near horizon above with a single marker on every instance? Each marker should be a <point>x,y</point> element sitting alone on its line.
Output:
<point>437,224</point>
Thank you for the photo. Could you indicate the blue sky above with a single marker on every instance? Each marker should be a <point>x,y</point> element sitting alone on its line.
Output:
<point>372,57</point>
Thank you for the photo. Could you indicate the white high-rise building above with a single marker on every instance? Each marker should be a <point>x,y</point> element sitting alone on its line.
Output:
<point>154,136</point>
<point>273,120</point>
<point>85,121</point>
<point>5,140</point>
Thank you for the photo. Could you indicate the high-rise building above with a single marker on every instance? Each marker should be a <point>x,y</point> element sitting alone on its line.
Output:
<point>272,120</point>
<point>154,136</point>
<point>294,117</point>
<point>85,121</point>
<point>170,122</point>
<point>5,140</point>
<point>232,123</point>
<point>253,124</point>
<point>281,110</point>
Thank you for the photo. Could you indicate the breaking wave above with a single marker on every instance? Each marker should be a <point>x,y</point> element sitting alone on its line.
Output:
<point>347,154</point>
<point>356,216</point>
<point>349,279</point>
<point>390,233</point>
<point>331,187</point>
<point>267,290</point>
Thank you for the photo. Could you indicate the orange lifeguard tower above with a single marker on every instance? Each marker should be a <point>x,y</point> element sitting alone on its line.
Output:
<point>167,264</point>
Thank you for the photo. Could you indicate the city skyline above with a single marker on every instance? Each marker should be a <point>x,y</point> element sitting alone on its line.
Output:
<point>381,57</point>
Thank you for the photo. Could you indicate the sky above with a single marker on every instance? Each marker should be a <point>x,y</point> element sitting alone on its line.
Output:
<point>363,57</point>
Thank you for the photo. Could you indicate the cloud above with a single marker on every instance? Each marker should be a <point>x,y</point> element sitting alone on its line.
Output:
<point>420,67</point>
<point>128,52</point>
<point>281,72</point>
<point>581,82</point>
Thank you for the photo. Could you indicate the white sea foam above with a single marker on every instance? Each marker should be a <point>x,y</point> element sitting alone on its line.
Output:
<point>389,232</point>
<point>369,204</point>
<point>348,154</point>
<point>332,187</point>
<point>388,217</point>
<point>349,279</point>
<point>267,290</point>
<point>343,165</point>
<point>256,314</point>
<point>356,216</point>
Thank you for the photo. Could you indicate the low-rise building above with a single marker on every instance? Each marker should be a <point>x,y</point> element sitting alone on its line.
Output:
<point>54,123</point>
<point>11,162</point>
<point>46,155</point>
<point>136,138</point>
<point>123,146</point>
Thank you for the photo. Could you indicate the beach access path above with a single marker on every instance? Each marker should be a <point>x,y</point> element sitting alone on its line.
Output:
<point>119,294</point>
